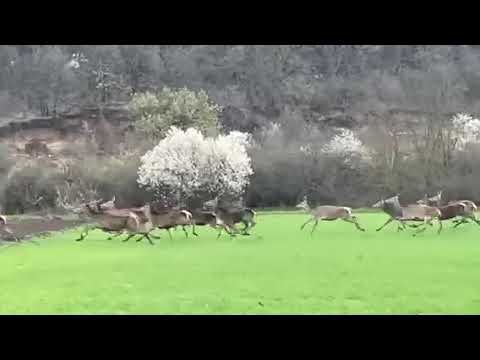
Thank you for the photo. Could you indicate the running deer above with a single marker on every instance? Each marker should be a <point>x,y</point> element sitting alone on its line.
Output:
<point>116,221</point>
<point>229,216</point>
<point>171,218</point>
<point>328,213</point>
<point>414,212</point>
<point>392,208</point>
<point>165,217</point>
<point>453,209</point>
<point>469,212</point>
<point>205,218</point>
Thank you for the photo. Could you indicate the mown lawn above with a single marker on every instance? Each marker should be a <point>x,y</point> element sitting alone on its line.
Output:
<point>278,270</point>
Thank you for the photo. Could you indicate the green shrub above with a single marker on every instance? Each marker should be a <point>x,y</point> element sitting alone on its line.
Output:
<point>183,108</point>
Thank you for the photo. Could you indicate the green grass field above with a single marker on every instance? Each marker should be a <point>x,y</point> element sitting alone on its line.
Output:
<point>278,270</point>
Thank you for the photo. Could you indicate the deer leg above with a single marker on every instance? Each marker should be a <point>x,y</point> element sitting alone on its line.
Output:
<point>193,230</point>
<point>353,220</point>
<point>231,230</point>
<point>149,240</point>
<point>129,237</point>
<point>313,227</point>
<point>422,229</point>
<point>440,226</point>
<point>388,222</point>
<point>461,221</point>
<point>219,233</point>
<point>308,221</point>
<point>84,233</point>
<point>145,236</point>
<point>419,231</point>
<point>400,225</point>
<point>430,222</point>
<point>169,234</point>
<point>113,236</point>
<point>415,226</point>
<point>185,231</point>
<point>244,230</point>
<point>475,219</point>
<point>471,217</point>
<point>154,236</point>
<point>404,226</point>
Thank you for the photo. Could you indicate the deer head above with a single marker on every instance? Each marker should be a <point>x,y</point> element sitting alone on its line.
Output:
<point>211,203</point>
<point>379,204</point>
<point>392,200</point>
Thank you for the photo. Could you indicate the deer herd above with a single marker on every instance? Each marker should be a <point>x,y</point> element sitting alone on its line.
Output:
<point>423,211</point>
<point>141,221</point>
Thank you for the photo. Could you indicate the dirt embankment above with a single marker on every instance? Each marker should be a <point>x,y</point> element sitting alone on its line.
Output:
<point>61,131</point>
<point>28,227</point>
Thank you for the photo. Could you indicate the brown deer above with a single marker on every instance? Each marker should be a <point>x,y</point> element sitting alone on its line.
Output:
<point>167,218</point>
<point>230,216</point>
<point>116,221</point>
<point>161,218</point>
<point>171,218</point>
<point>414,212</point>
<point>469,212</point>
<point>453,209</point>
<point>205,218</point>
<point>328,213</point>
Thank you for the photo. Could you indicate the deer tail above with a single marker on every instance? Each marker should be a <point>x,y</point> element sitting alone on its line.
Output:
<point>136,219</point>
<point>187,214</point>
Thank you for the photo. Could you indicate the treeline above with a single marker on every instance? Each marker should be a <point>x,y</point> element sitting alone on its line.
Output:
<point>255,84</point>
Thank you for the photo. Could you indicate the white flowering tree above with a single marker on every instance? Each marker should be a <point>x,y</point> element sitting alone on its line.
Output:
<point>187,165</point>
<point>347,145</point>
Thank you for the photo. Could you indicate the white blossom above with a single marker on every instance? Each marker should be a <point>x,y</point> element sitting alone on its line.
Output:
<point>306,149</point>
<point>73,64</point>
<point>189,163</point>
<point>272,129</point>
<point>466,129</point>
<point>347,145</point>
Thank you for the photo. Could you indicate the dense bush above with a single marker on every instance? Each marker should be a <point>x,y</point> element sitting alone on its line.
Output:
<point>30,186</point>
